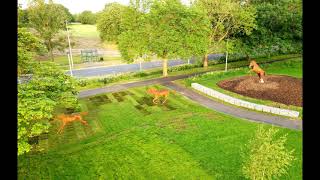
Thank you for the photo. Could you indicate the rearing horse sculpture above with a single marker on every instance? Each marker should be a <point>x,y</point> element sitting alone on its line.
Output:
<point>255,68</point>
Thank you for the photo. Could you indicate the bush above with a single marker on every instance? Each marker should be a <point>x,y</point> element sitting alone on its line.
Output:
<point>266,157</point>
<point>140,74</point>
<point>82,83</point>
<point>181,68</point>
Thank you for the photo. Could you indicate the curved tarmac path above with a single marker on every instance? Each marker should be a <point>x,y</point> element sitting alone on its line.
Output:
<point>203,100</point>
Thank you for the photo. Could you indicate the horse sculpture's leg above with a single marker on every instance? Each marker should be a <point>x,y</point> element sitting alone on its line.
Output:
<point>260,78</point>
<point>165,98</point>
<point>61,128</point>
<point>155,98</point>
<point>84,122</point>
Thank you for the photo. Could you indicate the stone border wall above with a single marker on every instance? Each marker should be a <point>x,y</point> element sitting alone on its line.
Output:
<point>238,102</point>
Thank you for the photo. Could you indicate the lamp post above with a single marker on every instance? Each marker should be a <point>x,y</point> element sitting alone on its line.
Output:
<point>69,44</point>
<point>226,57</point>
<point>70,64</point>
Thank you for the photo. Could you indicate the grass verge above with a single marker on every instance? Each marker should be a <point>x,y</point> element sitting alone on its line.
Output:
<point>179,140</point>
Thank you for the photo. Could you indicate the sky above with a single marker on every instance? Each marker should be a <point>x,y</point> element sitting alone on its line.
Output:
<point>77,6</point>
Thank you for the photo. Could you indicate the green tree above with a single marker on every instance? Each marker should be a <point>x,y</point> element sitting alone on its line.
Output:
<point>87,17</point>
<point>48,89</point>
<point>265,156</point>
<point>67,12</point>
<point>110,21</point>
<point>28,46</point>
<point>23,19</point>
<point>168,30</point>
<point>47,20</point>
<point>227,17</point>
<point>279,29</point>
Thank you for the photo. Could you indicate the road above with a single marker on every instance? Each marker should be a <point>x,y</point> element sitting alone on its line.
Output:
<point>100,71</point>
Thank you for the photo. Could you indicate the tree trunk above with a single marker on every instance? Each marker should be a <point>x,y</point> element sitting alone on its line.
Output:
<point>165,67</point>
<point>205,61</point>
<point>50,49</point>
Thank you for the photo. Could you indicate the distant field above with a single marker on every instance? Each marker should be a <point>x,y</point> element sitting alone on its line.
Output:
<point>85,36</point>
<point>83,30</point>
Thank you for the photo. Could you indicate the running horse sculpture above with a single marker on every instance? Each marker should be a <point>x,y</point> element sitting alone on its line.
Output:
<point>68,118</point>
<point>255,68</point>
<point>159,93</point>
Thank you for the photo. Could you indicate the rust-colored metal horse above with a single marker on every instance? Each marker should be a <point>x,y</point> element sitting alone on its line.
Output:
<point>68,118</point>
<point>159,93</point>
<point>255,68</point>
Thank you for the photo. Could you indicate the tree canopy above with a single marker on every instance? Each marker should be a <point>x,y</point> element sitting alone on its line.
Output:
<point>279,29</point>
<point>87,17</point>
<point>49,88</point>
<point>110,21</point>
<point>47,20</point>
<point>28,46</point>
<point>168,30</point>
<point>227,17</point>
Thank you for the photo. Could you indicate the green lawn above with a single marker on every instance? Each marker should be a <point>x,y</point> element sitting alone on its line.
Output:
<point>129,137</point>
<point>63,61</point>
<point>291,67</point>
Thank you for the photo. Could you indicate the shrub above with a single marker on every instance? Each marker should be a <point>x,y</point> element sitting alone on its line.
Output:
<point>266,157</point>
<point>82,83</point>
<point>181,68</point>
<point>140,74</point>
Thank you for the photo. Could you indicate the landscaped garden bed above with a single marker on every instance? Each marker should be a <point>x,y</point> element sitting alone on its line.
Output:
<point>292,68</point>
<point>283,89</point>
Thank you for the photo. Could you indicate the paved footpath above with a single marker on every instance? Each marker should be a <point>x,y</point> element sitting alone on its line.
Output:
<point>203,100</point>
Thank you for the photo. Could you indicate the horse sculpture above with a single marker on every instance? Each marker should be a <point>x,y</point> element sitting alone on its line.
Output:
<point>68,118</point>
<point>255,68</point>
<point>159,93</point>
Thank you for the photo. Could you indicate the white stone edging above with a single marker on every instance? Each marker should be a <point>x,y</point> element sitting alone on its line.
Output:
<point>238,102</point>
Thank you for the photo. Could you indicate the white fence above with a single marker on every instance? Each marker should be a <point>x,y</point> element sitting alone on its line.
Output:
<point>238,102</point>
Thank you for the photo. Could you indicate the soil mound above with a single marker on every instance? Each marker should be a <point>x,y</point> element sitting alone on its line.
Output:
<point>282,89</point>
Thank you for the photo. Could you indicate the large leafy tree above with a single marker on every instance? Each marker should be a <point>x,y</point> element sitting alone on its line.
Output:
<point>23,19</point>
<point>279,28</point>
<point>227,17</point>
<point>28,46</point>
<point>49,88</point>
<point>110,21</point>
<point>47,20</point>
<point>69,16</point>
<point>87,17</point>
<point>168,30</point>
